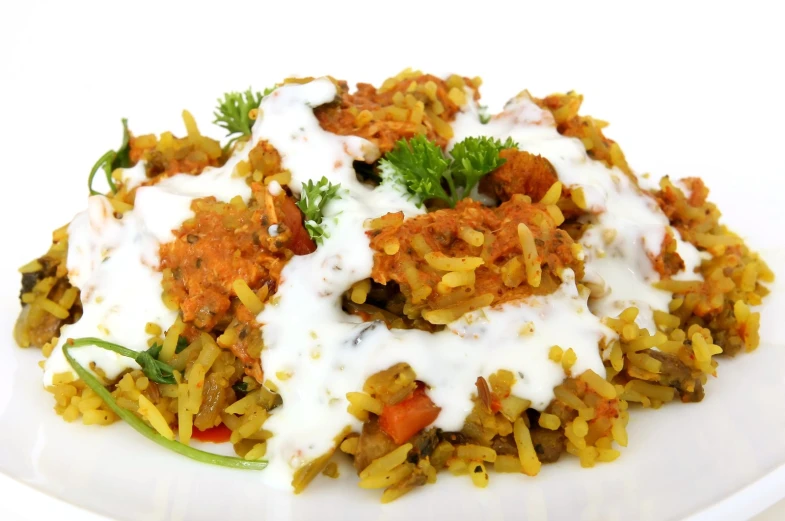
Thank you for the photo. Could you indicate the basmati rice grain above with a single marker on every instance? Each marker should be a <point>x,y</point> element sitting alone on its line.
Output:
<point>599,384</point>
<point>476,453</point>
<point>549,421</point>
<point>349,445</point>
<point>479,474</point>
<point>365,402</point>
<point>386,478</point>
<point>507,463</point>
<point>387,462</point>
<point>150,412</point>
<point>528,456</point>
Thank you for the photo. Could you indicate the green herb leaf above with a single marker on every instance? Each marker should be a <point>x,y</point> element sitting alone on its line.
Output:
<point>313,199</point>
<point>182,343</point>
<point>484,116</point>
<point>123,156</point>
<point>112,160</point>
<point>241,388</point>
<point>232,112</point>
<point>476,156</point>
<point>421,165</point>
<point>153,369</point>
<point>138,424</point>
<point>155,350</point>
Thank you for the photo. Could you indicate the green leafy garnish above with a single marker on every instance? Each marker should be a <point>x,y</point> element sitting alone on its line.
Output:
<point>422,166</point>
<point>484,116</point>
<point>138,424</point>
<point>152,368</point>
<point>313,199</point>
<point>476,156</point>
<point>112,159</point>
<point>155,350</point>
<point>233,111</point>
<point>241,388</point>
<point>182,343</point>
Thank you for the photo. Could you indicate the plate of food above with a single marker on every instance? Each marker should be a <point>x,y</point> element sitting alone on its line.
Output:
<point>368,300</point>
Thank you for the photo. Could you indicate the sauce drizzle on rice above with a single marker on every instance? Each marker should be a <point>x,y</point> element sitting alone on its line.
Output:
<point>516,321</point>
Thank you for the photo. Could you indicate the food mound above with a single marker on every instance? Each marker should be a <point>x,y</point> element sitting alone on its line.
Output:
<point>391,276</point>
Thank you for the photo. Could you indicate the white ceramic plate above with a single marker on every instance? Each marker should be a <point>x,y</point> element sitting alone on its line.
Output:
<point>688,92</point>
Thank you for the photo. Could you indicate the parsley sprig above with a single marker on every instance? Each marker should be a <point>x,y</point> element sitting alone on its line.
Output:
<point>232,113</point>
<point>313,199</point>
<point>111,160</point>
<point>137,423</point>
<point>429,174</point>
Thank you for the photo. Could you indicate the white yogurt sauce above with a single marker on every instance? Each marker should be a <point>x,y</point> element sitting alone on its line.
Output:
<point>627,226</point>
<point>114,262</point>
<point>314,352</point>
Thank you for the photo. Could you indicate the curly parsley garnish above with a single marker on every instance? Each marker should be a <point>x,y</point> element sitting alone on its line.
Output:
<point>233,112</point>
<point>137,423</point>
<point>313,199</point>
<point>111,160</point>
<point>428,174</point>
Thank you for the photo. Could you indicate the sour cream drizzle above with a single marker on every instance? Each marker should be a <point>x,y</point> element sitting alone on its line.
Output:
<point>314,352</point>
<point>627,226</point>
<point>114,262</point>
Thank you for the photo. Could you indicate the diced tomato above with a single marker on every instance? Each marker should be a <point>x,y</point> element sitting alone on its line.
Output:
<point>405,419</point>
<point>300,243</point>
<point>218,434</point>
<point>495,404</point>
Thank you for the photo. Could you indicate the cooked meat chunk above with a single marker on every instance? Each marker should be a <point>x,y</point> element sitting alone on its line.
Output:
<point>522,173</point>
<point>674,373</point>
<point>373,443</point>
<point>548,444</point>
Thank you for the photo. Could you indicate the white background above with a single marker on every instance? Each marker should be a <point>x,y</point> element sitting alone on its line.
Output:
<point>701,82</point>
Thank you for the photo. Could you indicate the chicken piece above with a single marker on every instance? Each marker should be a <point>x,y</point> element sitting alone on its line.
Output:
<point>522,173</point>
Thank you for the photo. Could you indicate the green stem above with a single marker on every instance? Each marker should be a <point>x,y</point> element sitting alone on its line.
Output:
<point>453,197</point>
<point>92,341</point>
<point>467,192</point>
<point>139,425</point>
<point>105,161</point>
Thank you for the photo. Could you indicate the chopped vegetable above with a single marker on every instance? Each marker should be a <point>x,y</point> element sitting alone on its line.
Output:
<point>111,160</point>
<point>408,417</point>
<point>140,426</point>
<point>313,199</point>
<point>300,242</point>
<point>428,174</point>
<point>218,434</point>
<point>182,343</point>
